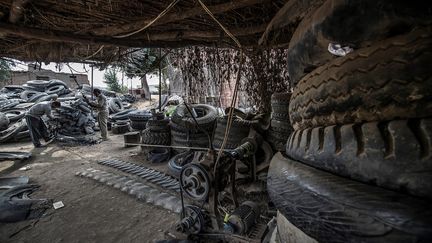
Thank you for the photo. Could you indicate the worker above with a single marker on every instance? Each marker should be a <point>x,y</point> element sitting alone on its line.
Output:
<point>102,107</point>
<point>36,125</point>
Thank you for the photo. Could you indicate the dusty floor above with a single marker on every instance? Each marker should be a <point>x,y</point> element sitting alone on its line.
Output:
<point>93,212</point>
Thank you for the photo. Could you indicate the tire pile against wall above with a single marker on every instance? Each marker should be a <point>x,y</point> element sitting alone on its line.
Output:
<point>280,126</point>
<point>359,159</point>
<point>74,117</point>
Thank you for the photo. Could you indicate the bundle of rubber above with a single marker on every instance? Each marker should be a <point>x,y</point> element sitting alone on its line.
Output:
<point>330,208</point>
<point>120,128</point>
<point>280,126</point>
<point>239,130</point>
<point>158,155</point>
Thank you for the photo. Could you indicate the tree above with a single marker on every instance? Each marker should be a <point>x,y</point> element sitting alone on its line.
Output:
<point>5,72</point>
<point>112,81</point>
<point>142,62</point>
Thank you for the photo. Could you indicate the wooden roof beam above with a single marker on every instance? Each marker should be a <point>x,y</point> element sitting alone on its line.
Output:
<point>175,17</point>
<point>59,36</point>
<point>17,10</point>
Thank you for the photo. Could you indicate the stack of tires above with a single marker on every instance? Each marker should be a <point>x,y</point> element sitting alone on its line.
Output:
<point>358,165</point>
<point>138,119</point>
<point>157,132</point>
<point>239,130</point>
<point>280,127</point>
<point>184,130</point>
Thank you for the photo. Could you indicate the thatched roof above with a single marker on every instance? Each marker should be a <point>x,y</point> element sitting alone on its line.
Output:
<point>79,30</point>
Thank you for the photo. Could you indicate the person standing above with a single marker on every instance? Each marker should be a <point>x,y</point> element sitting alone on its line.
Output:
<point>101,106</point>
<point>36,125</point>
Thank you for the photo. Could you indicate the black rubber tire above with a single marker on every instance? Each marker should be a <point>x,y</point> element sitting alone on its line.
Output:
<point>182,117</point>
<point>158,125</point>
<point>281,126</point>
<point>4,121</point>
<point>138,125</point>
<point>277,140</point>
<point>36,97</point>
<point>334,209</point>
<point>122,115</point>
<point>239,130</point>
<point>8,104</point>
<point>280,105</point>
<point>395,155</point>
<point>15,115</point>
<point>26,95</point>
<point>349,22</point>
<point>115,105</point>
<point>158,155</point>
<point>55,82</point>
<point>140,115</point>
<point>176,163</point>
<point>155,138</point>
<point>12,131</point>
<point>56,89</point>
<point>120,129</point>
<point>390,80</point>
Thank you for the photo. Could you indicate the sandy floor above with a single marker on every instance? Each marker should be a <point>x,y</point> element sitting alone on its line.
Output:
<point>93,212</point>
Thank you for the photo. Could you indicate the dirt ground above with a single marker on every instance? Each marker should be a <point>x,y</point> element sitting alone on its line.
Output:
<point>93,212</point>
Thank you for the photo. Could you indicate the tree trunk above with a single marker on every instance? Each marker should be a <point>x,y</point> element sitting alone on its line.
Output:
<point>145,87</point>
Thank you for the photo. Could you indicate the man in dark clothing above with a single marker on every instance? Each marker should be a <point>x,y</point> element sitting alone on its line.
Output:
<point>36,125</point>
<point>101,106</point>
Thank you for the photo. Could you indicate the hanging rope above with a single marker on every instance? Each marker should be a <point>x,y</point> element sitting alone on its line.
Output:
<point>94,54</point>
<point>151,22</point>
<point>231,112</point>
<point>220,24</point>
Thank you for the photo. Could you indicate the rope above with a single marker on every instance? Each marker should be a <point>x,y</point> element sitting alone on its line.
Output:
<point>97,51</point>
<point>151,22</point>
<point>231,112</point>
<point>220,24</point>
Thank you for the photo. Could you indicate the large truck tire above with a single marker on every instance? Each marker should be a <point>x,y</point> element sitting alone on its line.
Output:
<point>353,23</point>
<point>396,155</point>
<point>334,209</point>
<point>390,80</point>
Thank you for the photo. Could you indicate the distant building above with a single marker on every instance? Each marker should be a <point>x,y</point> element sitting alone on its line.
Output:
<point>21,77</point>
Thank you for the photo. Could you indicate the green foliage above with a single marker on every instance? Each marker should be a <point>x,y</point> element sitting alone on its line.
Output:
<point>144,61</point>
<point>113,82</point>
<point>5,72</point>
